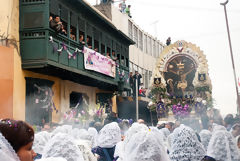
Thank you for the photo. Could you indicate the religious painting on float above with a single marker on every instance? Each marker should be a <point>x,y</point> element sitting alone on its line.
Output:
<point>179,76</point>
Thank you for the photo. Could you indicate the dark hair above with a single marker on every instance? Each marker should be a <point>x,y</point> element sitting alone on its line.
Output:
<point>207,158</point>
<point>18,133</point>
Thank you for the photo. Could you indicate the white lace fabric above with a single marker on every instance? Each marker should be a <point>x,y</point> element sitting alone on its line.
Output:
<point>63,145</point>
<point>52,159</point>
<point>205,136</point>
<point>109,135</point>
<point>222,145</point>
<point>144,146</point>
<point>40,140</point>
<point>93,132</point>
<point>185,145</point>
<point>135,128</point>
<point>7,153</point>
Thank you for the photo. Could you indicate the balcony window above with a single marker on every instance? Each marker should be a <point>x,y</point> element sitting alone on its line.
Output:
<point>123,60</point>
<point>140,41</point>
<point>130,33</point>
<point>127,62</point>
<point>135,38</point>
<point>73,27</point>
<point>145,44</point>
<point>103,49</point>
<point>64,20</point>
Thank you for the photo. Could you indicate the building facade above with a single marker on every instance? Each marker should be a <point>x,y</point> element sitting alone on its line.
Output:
<point>144,53</point>
<point>48,74</point>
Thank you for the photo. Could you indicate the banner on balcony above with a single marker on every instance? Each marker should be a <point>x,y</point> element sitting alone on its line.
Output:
<point>98,62</point>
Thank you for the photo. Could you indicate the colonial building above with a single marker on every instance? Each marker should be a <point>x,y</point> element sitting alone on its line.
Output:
<point>51,73</point>
<point>147,48</point>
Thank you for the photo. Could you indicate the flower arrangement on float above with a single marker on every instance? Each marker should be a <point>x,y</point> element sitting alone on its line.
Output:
<point>181,111</point>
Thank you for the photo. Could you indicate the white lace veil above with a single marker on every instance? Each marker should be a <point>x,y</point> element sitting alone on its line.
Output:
<point>135,128</point>
<point>39,143</point>
<point>119,150</point>
<point>165,132</point>
<point>52,159</point>
<point>7,153</point>
<point>185,145</point>
<point>109,135</point>
<point>222,145</point>
<point>205,136</point>
<point>93,132</point>
<point>62,129</point>
<point>62,145</point>
<point>145,146</point>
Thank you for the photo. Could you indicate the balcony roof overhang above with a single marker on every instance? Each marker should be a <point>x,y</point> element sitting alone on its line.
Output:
<point>104,19</point>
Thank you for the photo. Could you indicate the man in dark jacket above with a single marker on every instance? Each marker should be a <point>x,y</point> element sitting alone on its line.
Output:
<point>56,24</point>
<point>137,77</point>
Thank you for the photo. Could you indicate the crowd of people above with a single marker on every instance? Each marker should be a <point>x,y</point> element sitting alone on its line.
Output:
<point>120,141</point>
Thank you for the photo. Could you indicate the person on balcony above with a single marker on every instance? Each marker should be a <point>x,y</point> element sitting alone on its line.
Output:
<point>81,41</point>
<point>127,10</point>
<point>63,31</point>
<point>72,36</point>
<point>114,56</point>
<point>122,6</point>
<point>56,24</point>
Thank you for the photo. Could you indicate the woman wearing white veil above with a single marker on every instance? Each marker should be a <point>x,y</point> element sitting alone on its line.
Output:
<point>40,140</point>
<point>107,139</point>
<point>185,145</point>
<point>6,151</point>
<point>63,145</point>
<point>222,145</point>
<point>205,136</point>
<point>93,132</point>
<point>145,146</point>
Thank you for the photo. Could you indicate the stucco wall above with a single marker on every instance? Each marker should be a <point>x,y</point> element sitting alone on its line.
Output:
<point>6,82</point>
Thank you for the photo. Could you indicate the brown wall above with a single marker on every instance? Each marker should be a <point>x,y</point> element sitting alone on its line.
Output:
<point>6,82</point>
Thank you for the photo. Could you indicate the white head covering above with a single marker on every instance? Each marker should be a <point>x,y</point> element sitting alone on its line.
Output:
<point>119,150</point>
<point>205,136</point>
<point>135,128</point>
<point>165,132</point>
<point>145,146</point>
<point>185,145</point>
<point>52,159</point>
<point>222,145</point>
<point>93,132</point>
<point>7,153</point>
<point>109,135</point>
<point>67,129</point>
<point>62,145</point>
<point>39,143</point>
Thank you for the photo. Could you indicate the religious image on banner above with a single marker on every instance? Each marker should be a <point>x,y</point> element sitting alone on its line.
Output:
<point>99,63</point>
<point>179,76</point>
<point>202,77</point>
<point>157,82</point>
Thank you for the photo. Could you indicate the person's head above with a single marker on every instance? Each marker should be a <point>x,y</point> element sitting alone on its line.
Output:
<point>229,120</point>
<point>113,53</point>
<point>129,6</point>
<point>130,73</point>
<point>236,130</point>
<point>57,19</point>
<point>238,141</point>
<point>170,126</point>
<point>136,72</point>
<point>20,135</point>
<point>81,38</point>
<point>141,121</point>
<point>207,158</point>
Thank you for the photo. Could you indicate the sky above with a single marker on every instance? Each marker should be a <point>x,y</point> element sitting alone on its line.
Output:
<point>201,22</point>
